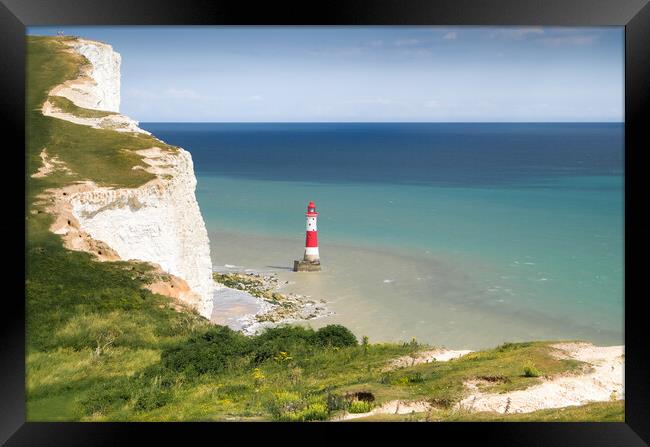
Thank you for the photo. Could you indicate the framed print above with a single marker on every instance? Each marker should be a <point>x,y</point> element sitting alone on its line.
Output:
<point>274,216</point>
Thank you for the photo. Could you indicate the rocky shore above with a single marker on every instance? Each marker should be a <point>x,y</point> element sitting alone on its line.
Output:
<point>277,307</point>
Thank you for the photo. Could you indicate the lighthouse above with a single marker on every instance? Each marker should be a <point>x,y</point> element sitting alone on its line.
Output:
<point>311,259</point>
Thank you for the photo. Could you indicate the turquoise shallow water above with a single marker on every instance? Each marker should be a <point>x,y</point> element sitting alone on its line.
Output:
<point>468,255</point>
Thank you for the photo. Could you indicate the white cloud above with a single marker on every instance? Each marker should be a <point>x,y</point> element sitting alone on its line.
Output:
<point>255,98</point>
<point>407,42</point>
<point>550,37</point>
<point>517,33</point>
<point>568,40</point>
<point>451,35</point>
<point>432,104</point>
<point>180,93</point>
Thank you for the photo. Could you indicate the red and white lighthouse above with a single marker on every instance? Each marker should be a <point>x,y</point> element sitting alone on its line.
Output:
<point>311,259</point>
<point>311,240</point>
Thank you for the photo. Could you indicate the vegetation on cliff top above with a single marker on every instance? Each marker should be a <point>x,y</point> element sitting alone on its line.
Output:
<point>101,347</point>
<point>103,156</point>
<point>68,106</point>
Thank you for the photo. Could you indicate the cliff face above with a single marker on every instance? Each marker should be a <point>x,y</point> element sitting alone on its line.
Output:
<point>158,222</point>
<point>105,72</point>
<point>96,88</point>
<point>98,85</point>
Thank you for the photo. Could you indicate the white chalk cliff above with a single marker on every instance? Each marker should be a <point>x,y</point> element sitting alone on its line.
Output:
<point>159,222</point>
<point>98,87</point>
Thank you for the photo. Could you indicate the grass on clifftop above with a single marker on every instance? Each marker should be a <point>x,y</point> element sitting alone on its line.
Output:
<point>103,156</point>
<point>69,107</point>
<point>101,347</point>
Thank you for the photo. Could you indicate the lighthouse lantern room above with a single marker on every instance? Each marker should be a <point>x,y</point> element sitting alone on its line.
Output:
<point>311,259</point>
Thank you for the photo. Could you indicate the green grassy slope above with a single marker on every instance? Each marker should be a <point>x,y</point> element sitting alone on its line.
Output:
<point>69,107</point>
<point>103,156</point>
<point>101,347</point>
<point>69,298</point>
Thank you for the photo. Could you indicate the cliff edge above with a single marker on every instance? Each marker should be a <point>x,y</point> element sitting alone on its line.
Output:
<point>159,221</point>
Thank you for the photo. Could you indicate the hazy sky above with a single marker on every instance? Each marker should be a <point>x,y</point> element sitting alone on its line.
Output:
<point>366,73</point>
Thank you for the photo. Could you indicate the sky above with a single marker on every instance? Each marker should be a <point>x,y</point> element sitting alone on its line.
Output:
<point>366,74</point>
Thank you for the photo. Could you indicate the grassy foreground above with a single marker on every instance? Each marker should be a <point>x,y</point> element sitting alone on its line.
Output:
<point>101,347</point>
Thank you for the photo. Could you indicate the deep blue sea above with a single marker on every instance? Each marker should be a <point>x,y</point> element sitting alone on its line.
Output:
<point>482,233</point>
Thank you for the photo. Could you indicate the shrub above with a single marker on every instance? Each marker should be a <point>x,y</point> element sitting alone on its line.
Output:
<point>512,346</point>
<point>531,371</point>
<point>106,396</point>
<point>336,335</point>
<point>314,412</point>
<point>335,402</point>
<point>282,403</point>
<point>214,351</point>
<point>258,376</point>
<point>283,357</point>
<point>415,378</point>
<point>290,407</point>
<point>161,376</point>
<point>360,406</point>
<point>151,399</point>
<point>270,343</point>
<point>220,348</point>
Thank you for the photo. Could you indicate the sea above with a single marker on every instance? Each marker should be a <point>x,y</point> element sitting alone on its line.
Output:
<point>463,235</point>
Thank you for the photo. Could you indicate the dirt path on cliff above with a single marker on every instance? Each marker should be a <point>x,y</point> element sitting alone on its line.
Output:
<point>603,381</point>
<point>433,355</point>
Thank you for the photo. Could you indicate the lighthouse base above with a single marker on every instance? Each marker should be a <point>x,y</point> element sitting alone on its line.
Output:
<point>306,266</point>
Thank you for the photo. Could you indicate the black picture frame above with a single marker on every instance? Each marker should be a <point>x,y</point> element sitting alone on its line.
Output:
<point>15,15</point>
